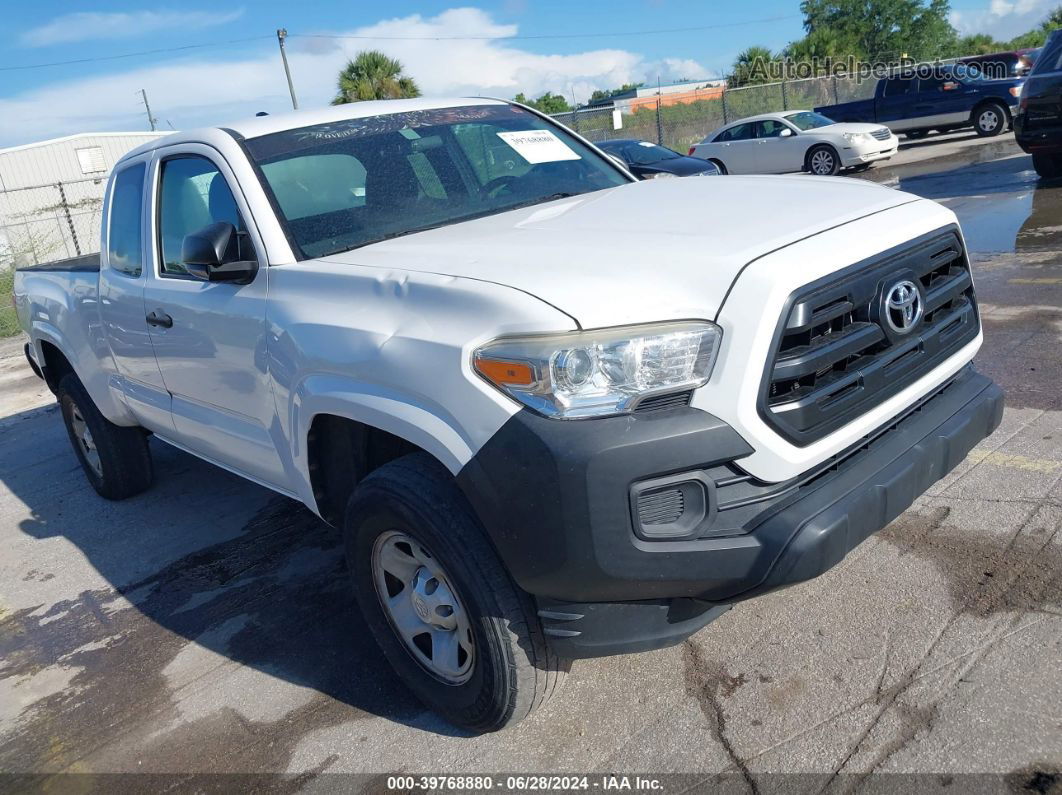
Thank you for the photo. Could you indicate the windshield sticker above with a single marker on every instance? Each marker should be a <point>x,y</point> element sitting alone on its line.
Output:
<point>646,143</point>
<point>538,146</point>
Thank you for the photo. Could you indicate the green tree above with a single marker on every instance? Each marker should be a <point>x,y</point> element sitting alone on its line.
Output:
<point>547,103</point>
<point>373,75</point>
<point>978,44</point>
<point>607,94</point>
<point>752,66</point>
<point>884,30</point>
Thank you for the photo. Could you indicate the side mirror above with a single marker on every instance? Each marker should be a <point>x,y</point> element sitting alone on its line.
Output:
<point>785,133</point>
<point>213,254</point>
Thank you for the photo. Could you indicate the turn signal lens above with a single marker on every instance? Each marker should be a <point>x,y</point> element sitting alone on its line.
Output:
<point>502,373</point>
<point>599,373</point>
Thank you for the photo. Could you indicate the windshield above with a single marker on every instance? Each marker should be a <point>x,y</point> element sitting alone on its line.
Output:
<point>807,120</point>
<point>346,184</point>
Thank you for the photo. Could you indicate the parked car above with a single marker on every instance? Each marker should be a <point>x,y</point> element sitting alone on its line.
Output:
<point>1003,65</point>
<point>1038,126</point>
<point>648,160</point>
<point>555,411</point>
<point>942,98</point>
<point>777,143</point>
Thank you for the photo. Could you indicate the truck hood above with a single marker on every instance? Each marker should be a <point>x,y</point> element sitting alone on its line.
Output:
<point>642,252</point>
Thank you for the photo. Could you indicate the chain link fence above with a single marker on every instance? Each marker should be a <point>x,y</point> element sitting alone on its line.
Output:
<point>43,223</point>
<point>680,125</point>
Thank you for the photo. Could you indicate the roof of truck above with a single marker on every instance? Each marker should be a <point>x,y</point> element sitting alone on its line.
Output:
<point>256,126</point>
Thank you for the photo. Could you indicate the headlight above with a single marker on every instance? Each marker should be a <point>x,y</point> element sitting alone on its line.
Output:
<point>658,175</point>
<point>597,373</point>
<point>858,138</point>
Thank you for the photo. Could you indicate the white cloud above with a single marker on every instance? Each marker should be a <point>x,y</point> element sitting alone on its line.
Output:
<point>195,92</point>
<point>1003,19</point>
<point>94,25</point>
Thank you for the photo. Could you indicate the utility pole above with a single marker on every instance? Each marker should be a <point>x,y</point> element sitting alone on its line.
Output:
<point>151,119</point>
<point>282,33</point>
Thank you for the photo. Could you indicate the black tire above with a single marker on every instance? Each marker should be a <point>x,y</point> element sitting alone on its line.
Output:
<point>861,168</point>
<point>915,135</point>
<point>513,671</point>
<point>825,155</point>
<point>719,164</point>
<point>122,465</point>
<point>990,119</point>
<point>1048,166</point>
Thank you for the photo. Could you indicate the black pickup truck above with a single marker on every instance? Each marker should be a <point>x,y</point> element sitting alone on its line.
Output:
<point>1038,125</point>
<point>947,97</point>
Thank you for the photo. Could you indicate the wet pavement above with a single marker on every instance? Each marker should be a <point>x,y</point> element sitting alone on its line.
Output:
<point>206,626</point>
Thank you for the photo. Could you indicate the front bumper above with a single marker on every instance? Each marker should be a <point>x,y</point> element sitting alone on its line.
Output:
<point>857,157</point>
<point>554,497</point>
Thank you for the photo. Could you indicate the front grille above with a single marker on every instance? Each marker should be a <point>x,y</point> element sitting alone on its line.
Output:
<point>836,356</point>
<point>882,134</point>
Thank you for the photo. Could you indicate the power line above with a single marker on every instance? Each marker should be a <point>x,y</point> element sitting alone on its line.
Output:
<point>160,50</point>
<point>687,29</point>
<point>131,54</point>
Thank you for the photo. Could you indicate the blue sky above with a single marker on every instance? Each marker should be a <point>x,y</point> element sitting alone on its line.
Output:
<point>510,46</point>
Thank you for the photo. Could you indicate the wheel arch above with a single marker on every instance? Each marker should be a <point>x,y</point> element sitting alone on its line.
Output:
<point>342,431</point>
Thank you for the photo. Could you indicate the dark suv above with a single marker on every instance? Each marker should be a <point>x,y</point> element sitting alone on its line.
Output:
<point>1038,125</point>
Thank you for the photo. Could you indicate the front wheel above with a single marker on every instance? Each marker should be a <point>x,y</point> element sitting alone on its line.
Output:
<point>440,603</point>
<point>990,120</point>
<point>823,161</point>
<point>1048,166</point>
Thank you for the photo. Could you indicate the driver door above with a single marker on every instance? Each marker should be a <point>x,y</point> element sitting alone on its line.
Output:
<point>210,337</point>
<point>779,151</point>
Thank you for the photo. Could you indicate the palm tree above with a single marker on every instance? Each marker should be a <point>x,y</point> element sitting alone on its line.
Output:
<point>751,66</point>
<point>373,75</point>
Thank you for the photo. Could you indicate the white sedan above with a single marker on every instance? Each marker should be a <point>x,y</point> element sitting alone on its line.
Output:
<point>797,140</point>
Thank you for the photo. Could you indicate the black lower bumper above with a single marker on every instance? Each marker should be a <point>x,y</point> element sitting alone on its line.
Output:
<point>557,509</point>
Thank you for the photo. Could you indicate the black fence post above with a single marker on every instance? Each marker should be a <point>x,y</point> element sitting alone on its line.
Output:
<point>69,220</point>
<point>726,114</point>
<point>785,97</point>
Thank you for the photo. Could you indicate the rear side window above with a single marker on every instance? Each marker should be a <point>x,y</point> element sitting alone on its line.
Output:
<point>1050,59</point>
<point>124,236</point>
<point>740,132</point>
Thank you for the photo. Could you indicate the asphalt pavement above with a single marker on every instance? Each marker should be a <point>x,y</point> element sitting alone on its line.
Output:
<point>206,625</point>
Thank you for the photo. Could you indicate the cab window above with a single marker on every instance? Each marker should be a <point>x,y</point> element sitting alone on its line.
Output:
<point>124,237</point>
<point>896,86</point>
<point>192,194</point>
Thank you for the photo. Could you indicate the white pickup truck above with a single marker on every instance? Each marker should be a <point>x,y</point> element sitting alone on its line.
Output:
<point>555,411</point>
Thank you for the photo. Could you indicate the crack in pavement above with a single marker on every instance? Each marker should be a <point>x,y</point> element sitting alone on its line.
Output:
<point>704,681</point>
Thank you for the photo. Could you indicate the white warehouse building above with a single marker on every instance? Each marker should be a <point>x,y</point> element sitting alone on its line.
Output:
<point>51,194</point>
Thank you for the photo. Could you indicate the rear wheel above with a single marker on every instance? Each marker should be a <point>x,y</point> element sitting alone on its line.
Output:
<point>116,459</point>
<point>915,135</point>
<point>990,120</point>
<point>440,603</point>
<point>822,160</point>
<point>1048,166</point>
<point>718,164</point>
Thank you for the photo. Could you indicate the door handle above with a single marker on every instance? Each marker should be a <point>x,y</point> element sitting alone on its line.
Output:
<point>156,318</point>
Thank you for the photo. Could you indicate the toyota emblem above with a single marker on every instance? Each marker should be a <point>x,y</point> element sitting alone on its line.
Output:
<point>903,306</point>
